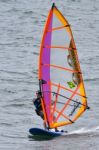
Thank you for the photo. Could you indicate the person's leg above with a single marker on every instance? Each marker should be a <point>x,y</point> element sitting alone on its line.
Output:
<point>42,116</point>
<point>44,124</point>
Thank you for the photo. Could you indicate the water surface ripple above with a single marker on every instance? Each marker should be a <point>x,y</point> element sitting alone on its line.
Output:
<point>21,26</point>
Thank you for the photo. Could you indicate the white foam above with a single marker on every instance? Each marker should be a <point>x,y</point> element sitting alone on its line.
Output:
<point>84,130</point>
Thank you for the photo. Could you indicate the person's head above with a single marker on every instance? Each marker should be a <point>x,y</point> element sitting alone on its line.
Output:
<point>39,94</point>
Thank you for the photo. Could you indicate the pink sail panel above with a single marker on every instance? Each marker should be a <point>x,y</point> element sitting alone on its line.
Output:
<point>45,71</point>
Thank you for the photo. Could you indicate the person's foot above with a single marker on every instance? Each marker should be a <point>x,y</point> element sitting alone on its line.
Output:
<point>62,130</point>
<point>56,130</point>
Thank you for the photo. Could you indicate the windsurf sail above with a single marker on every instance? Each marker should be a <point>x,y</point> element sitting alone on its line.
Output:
<point>60,78</point>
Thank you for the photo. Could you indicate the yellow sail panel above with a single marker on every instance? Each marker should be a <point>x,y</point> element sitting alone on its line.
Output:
<point>84,103</point>
<point>62,19</point>
<point>60,16</point>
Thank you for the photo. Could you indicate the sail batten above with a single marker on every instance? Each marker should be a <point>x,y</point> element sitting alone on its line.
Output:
<point>60,47</point>
<point>58,28</point>
<point>67,103</point>
<point>59,68</point>
<point>65,88</point>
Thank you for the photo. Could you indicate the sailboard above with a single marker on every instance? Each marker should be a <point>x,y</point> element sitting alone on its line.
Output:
<point>60,78</point>
<point>45,134</point>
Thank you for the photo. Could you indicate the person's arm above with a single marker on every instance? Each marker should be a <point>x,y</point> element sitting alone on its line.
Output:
<point>34,100</point>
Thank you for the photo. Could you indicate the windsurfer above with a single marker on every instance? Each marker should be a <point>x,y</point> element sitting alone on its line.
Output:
<point>39,110</point>
<point>38,106</point>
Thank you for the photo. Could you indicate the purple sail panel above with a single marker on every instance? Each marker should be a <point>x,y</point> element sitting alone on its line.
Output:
<point>46,70</point>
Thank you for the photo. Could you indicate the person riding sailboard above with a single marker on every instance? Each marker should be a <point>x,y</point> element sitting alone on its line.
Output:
<point>61,99</point>
<point>39,110</point>
<point>38,106</point>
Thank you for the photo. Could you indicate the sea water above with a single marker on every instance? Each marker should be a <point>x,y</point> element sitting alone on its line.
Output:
<point>21,27</point>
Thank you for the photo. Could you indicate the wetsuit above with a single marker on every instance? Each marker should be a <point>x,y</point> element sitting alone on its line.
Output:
<point>38,106</point>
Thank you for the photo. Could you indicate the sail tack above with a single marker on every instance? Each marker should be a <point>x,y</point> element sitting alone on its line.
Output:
<point>64,98</point>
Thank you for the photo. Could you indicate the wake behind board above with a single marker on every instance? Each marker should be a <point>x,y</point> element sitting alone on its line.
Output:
<point>44,133</point>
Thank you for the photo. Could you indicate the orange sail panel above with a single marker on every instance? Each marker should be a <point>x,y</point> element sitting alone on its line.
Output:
<point>64,97</point>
